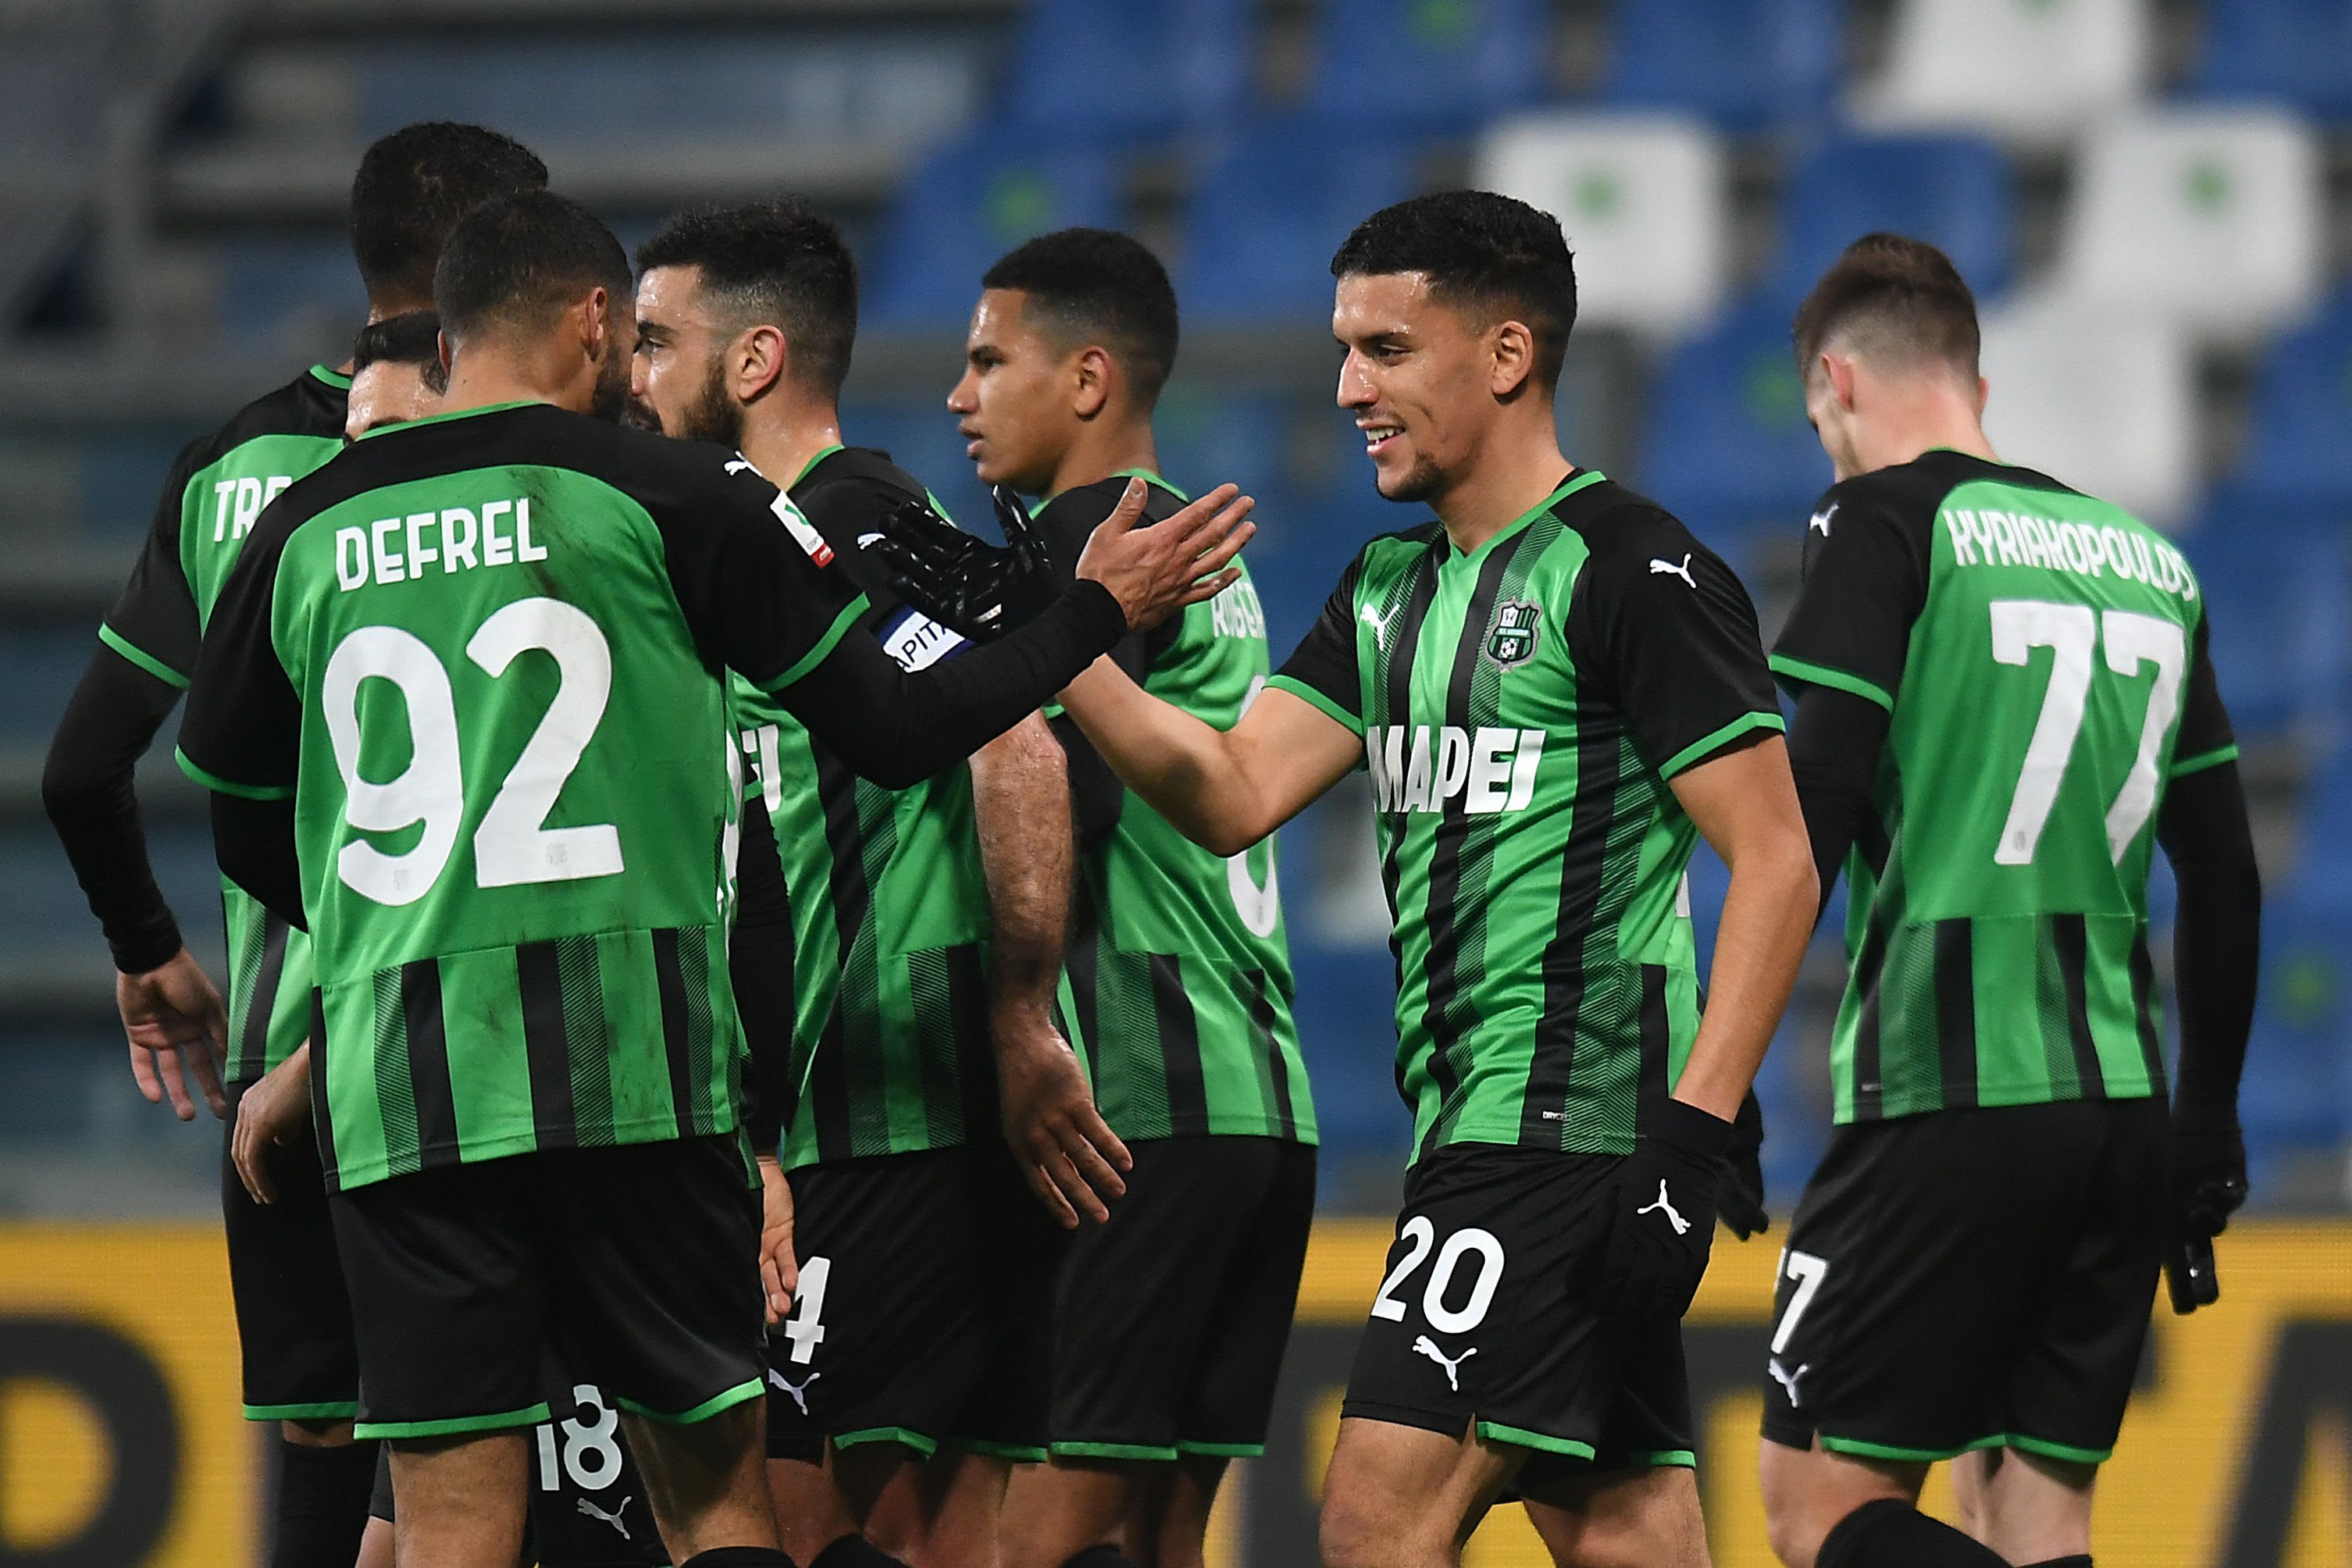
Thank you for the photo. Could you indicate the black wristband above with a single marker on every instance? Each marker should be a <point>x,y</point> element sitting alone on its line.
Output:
<point>148,945</point>
<point>1684,1127</point>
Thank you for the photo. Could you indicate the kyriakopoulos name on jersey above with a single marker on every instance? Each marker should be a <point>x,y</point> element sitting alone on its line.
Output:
<point>1989,538</point>
<point>1424,767</point>
<point>397,549</point>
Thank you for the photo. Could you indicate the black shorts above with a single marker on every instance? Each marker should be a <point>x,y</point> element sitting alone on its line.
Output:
<point>922,1279</point>
<point>293,1316</point>
<point>1485,1318</point>
<point>635,1267</point>
<point>1971,1279</point>
<point>588,1506</point>
<point>1172,1318</point>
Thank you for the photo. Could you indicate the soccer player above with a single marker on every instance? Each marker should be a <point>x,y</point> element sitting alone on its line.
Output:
<point>2004,703</point>
<point>1179,974</point>
<point>293,1320</point>
<point>920,1255</point>
<point>461,709</point>
<point>1556,690</point>
<point>396,372</point>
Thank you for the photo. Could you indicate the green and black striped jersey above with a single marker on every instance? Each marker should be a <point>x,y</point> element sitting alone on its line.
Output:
<point>2044,657</point>
<point>1523,708</point>
<point>483,656</point>
<point>891,1050</point>
<point>1178,989</point>
<point>216,488</point>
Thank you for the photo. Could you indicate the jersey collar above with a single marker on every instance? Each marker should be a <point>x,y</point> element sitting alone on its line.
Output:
<point>1579,479</point>
<point>371,434</point>
<point>1146,474</point>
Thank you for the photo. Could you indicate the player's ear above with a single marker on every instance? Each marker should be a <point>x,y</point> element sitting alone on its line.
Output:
<point>1512,349</point>
<point>1984,396</point>
<point>761,357</point>
<point>1838,371</point>
<point>1091,374</point>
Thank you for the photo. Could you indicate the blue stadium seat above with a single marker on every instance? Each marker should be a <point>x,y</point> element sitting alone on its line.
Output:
<point>1725,446</point>
<point>921,438</point>
<point>2293,49</point>
<point>2297,1091</point>
<point>1271,205</point>
<point>1431,63</point>
<point>2278,592</point>
<point>39,663</point>
<point>2299,447</point>
<point>1744,63</point>
<point>969,203</point>
<point>1952,190</point>
<point>1133,67</point>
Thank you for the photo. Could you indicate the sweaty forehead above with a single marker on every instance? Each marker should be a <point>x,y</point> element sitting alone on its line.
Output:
<point>1366,304</point>
<point>1010,322</point>
<point>672,296</point>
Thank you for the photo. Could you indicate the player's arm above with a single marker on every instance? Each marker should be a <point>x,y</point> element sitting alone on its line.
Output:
<point>1021,800</point>
<point>1835,743</point>
<point>760,967</point>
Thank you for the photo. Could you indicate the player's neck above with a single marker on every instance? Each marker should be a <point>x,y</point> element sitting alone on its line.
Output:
<point>1101,451</point>
<point>1500,486</point>
<point>782,444</point>
<point>1914,440</point>
<point>385,308</point>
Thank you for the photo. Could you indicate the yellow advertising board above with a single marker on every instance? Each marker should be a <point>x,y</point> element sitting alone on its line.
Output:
<point>122,1445</point>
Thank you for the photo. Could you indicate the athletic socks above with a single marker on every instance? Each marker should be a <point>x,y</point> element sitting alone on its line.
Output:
<point>322,1503</point>
<point>1100,1557</point>
<point>1891,1533</point>
<point>855,1552</point>
<point>739,1557</point>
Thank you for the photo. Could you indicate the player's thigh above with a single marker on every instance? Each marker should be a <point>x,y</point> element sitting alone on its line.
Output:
<point>293,1312</point>
<point>1807,1491</point>
<point>1406,1495</point>
<point>1912,1276</point>
<point>1642,1518</point>
<point>2080,1354</point>
<point>449,1300</point>
<point>1053,1512</point>
<point>588,1504</point>
<point>886,1335</point>
<point>652,1250</point>
<point>2033,1509</point>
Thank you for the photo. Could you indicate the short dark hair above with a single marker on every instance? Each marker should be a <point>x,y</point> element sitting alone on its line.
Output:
<point>517,260</point>
<point>412,337</point>
<point>1901,298</point>
<point>414,184</point>
<point>775,262</point>
<point>1488,253</point>
<point>1099,286</point>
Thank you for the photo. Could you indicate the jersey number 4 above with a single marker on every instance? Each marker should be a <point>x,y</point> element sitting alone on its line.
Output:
<point>510,846</point>
<point>2070,632</point>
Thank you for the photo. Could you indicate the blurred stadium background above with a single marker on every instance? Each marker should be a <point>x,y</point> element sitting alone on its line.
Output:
<point>2152,197</point>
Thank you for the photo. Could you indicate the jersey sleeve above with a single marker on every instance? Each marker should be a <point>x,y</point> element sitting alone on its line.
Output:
<point>1865,582</point>
<point>242,734</point>
<point>2205,739</point>
<point>761,590</point>
<point>1669,630</point>
<point>1067,522</point>
<point>153,622</point>
<point>1322,669</point>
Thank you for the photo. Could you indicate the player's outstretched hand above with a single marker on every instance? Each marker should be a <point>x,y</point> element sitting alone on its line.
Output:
<point>966,583</point>
<point>275,1111</point>
<point>177,1028</point>
<point>1661,1207</point>
<point>1742,1203</point>
<point>1075,1162</point>
<point>1155,571</point>
<point>779,1268</point>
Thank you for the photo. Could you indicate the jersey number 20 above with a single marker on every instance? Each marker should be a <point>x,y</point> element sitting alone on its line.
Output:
<point>2070,632</point>
<point>510,846</point>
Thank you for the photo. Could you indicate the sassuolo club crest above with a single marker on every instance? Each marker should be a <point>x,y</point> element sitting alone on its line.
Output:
<point>1518,625</point>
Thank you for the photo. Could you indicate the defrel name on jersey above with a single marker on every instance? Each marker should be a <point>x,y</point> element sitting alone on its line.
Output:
<point>458,538</point>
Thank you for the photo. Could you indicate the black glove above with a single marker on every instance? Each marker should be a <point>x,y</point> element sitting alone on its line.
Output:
<point>964,582</point>
<point>1661,1206</point>
<point>2208,1176</point>
<point>1742,1202</point>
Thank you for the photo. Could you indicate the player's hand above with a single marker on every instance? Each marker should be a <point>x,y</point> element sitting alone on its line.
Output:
<point>1155,571</point>
<point>177,1027</point>
<point>275,1111</point>
<point>1742,1201</point>
<point>966,583</point>
<point>2208,1176</point>
<point>780,1269</point>
<point>1075,1162</point>
<point>1661,1206</point>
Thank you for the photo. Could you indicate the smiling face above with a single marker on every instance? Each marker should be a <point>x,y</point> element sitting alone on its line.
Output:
<point>1014,404</point>
<point>678,382</point>
<point>1420,379</point>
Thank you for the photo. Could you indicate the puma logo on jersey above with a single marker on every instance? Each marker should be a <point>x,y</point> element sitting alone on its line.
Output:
<point>740,466</point>
<point>1423,1345</point>
<point>1380,625</point>
<point>1788,1379</point>
<point>1674,1217</point>
<point>799,1391</point>
<point>1821,520</point>
<point>1671,570</point>
<point>590,1511</point>
<point>1425,768</point>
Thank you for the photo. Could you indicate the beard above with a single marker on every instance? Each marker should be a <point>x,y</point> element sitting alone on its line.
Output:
<point>1418,483</point>
<point>610,399</point>
<point>714,415</point>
